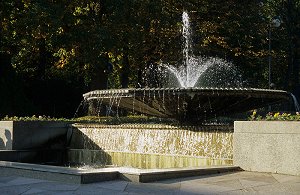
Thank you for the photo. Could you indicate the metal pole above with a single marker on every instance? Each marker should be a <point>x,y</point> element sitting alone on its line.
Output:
<point>270,58</point>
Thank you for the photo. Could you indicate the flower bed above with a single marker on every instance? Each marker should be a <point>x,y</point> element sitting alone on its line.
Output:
<point>277,116</point>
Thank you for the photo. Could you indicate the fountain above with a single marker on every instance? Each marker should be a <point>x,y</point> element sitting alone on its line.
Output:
<point>191,102</point>
<point>166,150</point>
<point>195,95</point>
<point>189,72</point>
<point>186,104</point>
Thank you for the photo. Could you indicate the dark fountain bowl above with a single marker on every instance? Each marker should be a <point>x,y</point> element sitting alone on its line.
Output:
<point>188,104</point>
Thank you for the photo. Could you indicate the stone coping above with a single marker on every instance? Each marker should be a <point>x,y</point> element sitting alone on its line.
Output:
<point>153,126</point>
<point>73,175</point>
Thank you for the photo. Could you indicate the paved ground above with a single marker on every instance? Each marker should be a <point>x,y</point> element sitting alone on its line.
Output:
<point>230,183</point>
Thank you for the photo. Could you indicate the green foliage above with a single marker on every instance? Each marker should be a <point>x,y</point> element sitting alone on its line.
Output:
<point>96,119</point>
<point>60,38</point>
<point>140,119</point>
<point>34,118</point>
<point>73,41</point>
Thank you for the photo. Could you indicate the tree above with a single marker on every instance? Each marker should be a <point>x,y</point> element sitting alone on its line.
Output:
<point>77,46</point>
<point>291,17</point>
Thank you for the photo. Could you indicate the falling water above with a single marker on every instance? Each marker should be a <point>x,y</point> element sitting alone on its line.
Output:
<point>296,104</point>
<point>160,146</point>
<point>78,108</point>
<point>188,73</point>
<point>186,33</point>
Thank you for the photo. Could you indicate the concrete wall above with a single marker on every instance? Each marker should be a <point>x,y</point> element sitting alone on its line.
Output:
<point>23,135</point>
<point>267,146</point>
<point>6,129</point>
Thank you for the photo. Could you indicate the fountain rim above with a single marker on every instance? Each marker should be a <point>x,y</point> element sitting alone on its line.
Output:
<point>129,92</point>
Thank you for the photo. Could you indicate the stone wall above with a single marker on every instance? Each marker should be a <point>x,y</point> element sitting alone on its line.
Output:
<point>23,135</point>
<point>267,146</point>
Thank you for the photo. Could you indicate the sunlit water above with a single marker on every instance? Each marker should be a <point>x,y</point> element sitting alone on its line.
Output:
<point>151,146</point>
<point>190,71</point>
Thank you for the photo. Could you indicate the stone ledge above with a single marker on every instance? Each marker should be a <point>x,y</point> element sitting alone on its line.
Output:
<point>72,175</point>
<point>267,127</point>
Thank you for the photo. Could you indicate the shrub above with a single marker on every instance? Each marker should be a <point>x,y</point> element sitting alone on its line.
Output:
<point>32,118</point>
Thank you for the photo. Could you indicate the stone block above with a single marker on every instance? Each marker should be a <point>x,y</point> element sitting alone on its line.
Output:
<point>23,135</point>
<point>6,135</point>
<point>267,146</point>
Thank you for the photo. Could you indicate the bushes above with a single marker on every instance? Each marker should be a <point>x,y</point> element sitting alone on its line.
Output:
<point>33,118</point>
<point>95,119</point>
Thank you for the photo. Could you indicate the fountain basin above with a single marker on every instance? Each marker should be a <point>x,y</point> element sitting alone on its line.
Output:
<point>105,146</point>
<point>187,104</point>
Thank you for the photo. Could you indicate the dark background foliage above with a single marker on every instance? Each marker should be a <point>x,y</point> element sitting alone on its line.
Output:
<point>52,51</point>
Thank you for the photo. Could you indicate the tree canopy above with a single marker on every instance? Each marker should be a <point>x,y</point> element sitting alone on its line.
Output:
<point>53,51</point>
